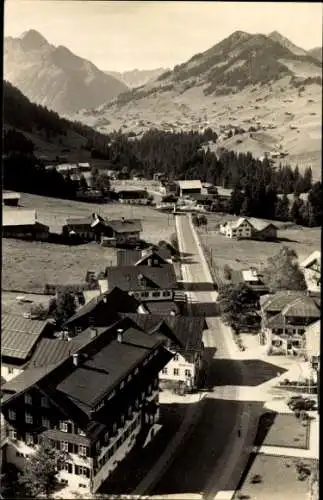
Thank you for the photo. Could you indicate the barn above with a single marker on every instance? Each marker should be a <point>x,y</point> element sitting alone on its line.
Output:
<point>23,224</point>
<point>189,187</point>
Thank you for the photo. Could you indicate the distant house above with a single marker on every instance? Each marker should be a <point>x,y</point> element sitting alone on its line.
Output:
<point>133,197</point>
<point>23,224</point>
<point>249,228</point>
<point>154,282</point>
<point>189,187</point>
<point>124,231</point>
<point>240,228</point>
<point>252,278</point>
<point>204,201</point>
<point>19,339</point>
<point>84,167</point>
<point>10,198</point>
<point>311,268</point>
<point>88,228</point>
<point>285,317</point>
<point>184,339</point>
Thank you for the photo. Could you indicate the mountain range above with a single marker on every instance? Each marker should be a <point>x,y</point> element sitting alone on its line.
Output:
<point>264,85</point>
<point>54,76</point>
<point>137,77</point>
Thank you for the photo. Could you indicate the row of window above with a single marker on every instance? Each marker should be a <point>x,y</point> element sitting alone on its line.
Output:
<point>176,371</point>
<point>153,294</point>
<point>78,470</point>
<point>300,331</point>
<point>44,402</point>
<point>122,438</point>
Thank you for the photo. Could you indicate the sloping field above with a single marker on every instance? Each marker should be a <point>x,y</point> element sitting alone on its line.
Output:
<point>29,265</point>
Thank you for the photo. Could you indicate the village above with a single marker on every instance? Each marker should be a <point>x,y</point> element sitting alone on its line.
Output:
<point>94,367</point>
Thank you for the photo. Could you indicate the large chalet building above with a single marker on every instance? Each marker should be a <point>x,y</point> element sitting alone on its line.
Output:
<point>94,398</point>
<point>285,317</point>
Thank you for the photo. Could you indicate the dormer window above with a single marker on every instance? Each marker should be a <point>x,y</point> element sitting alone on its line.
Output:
<point>28,399</point>
<point>63,426</point>
<point>12,415</point>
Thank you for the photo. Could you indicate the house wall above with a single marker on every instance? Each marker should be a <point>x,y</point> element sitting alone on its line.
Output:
<point>268,233</point>
<point>176,370</point>
<point>127,237</point>
<point>156,295</point>
<point>134,201</point>
<point>185,192</point>
<point>243,231</point>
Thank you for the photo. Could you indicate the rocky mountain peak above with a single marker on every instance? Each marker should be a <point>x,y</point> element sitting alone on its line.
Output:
<point>32,40</point>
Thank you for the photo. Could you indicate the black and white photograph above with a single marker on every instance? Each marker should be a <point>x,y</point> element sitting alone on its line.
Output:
<point>161,250</point>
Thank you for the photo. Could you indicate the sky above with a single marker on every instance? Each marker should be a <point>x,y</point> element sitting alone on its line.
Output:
<point>123,35</point>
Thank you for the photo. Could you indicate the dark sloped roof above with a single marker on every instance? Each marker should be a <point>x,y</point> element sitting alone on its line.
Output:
<point>125,226</point>
<point>106,306</point>
<point>51,351</point>
<point>186,331</point>
<point>127,277</point>
<point>260,224</point>
<point>276,302</point>
<point>304,307</point>
<point>128,257</point>
<point>79,221</point>
<point>152,254</point>
<point>162,307</point>
<point>19,335</point>
<point>25,380</point>
<point>94,377</point>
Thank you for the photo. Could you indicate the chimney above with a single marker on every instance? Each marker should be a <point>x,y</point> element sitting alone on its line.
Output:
<point>93,333</point>
<point>120,336</point>
<point>150,262</point>
<point>75,359</point>
<point>123,219</point>
<point>173,313</point>
<point>93,216</point>
<point>105,299</point>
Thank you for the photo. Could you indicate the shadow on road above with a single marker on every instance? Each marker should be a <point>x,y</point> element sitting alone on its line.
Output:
<point>140,461</point>
<point>228,372</point>
<point>202,452</point>
<point>207,309</point>
<point>199,287</point>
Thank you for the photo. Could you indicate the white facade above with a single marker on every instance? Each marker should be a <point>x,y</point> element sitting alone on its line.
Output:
<point>240,229</point>
<point>134,201</point>
<point>179,369</point>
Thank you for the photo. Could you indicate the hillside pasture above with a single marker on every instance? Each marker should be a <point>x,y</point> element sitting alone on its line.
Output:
<point>28,265</point>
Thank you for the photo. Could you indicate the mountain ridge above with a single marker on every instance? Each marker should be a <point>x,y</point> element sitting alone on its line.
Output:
<point>54,76</point>
<point>137,77</point>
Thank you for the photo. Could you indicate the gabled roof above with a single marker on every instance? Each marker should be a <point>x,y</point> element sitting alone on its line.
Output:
<point>162,307</point>
<point>152,254</point>
<point>104,308</point>
<point>190,184</point>
<point>52,351</point>
<point>142,277</point>
<point>125,225</point>
<point>10,195</point>
<point>185,331</point>
<point>260,224</point>
<point>277,301</point>
<point>128,257</point>
<point>291,303</point>
<point>304,307</point>
<point>101,364</point>
<point>130,194</point>
<point>315,256</point>
<point>18,217</point>
<point>19,335</point>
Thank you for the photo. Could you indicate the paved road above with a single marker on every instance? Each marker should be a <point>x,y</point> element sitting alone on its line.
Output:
<point>208,460</point>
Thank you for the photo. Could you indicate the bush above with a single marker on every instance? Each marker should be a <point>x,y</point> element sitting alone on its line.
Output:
<point>38,311</point>
<point>227,272</point>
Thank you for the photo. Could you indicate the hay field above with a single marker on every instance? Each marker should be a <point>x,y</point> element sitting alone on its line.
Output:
<point>28,265</point>
<point>239,254</point>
